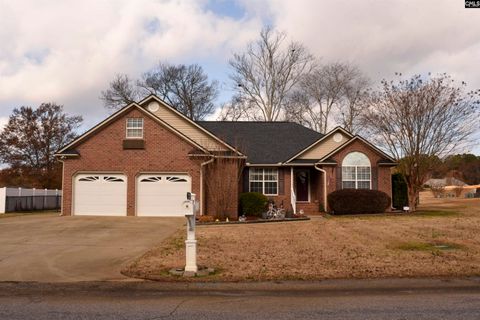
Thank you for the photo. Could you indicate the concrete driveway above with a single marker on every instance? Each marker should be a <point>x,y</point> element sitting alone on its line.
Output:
<point>49,248</point>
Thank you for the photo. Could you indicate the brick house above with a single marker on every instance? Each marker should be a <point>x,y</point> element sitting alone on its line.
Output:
<point>143,159</point>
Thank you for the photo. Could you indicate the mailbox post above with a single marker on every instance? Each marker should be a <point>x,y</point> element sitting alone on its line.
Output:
<point>191,242</point>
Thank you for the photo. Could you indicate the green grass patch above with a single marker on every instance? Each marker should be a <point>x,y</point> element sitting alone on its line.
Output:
<point>360,216</point>
<point>428,247</point>
<point>419,213</point>
<point>435,213</point>
<point>174,244</point>
<point>177,243</point>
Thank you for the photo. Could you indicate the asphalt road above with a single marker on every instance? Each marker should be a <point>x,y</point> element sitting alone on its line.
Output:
<point>379,299</point>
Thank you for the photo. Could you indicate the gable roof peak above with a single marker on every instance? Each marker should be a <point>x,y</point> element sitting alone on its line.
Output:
<point>340,128</point>
<point>359,138</point>
<point>116,115</point>
<point>188,120</point>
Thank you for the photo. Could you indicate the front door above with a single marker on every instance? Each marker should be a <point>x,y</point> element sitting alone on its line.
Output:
<point>302,180</point>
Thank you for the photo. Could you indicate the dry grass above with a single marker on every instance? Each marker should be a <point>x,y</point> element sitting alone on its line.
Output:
<point>442,240</point>
<point>28,213</point>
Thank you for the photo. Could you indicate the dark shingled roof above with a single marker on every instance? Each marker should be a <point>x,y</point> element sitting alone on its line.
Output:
<point>264,142</point>
<point>386,162</point>
<point>329,160</point>
<point>304,161</point>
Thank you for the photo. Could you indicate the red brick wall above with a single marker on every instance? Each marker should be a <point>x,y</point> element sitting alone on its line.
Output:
<point>331,178</point>
<point>164,152</point>
<point>315,192</point>
<point>384,181</point>
<point>316,196</point>
<point>316,179</point>
<point>285,196</point>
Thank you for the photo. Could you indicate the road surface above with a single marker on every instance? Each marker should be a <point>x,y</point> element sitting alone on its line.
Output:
<point>378,299</point>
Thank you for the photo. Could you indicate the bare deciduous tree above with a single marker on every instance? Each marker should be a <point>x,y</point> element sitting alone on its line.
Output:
<point>186,88</point>
<point>239,109</point>
<point>438,190</point>
<point>121,91</point>
<point>267,72</point>
<point>418,119</point>
<point>354,102</point>
<point>301,108</point>
<point>336,88</point>
<point>458,191</point>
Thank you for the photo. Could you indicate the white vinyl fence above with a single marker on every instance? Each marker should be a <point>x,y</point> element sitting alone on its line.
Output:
<point>22,199</point>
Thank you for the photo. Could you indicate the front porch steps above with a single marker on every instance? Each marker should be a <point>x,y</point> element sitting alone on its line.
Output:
<point>309,208</point>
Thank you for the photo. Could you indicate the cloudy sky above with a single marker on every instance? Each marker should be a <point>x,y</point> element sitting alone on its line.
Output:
<point>67,51</point>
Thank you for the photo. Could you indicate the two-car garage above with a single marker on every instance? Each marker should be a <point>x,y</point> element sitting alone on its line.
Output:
<point>105,194</point>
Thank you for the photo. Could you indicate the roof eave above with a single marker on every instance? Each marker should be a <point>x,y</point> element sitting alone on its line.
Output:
<point>94,128</point>
<point>392,164</point>
<point>320,140</point>
<point>66,155</point>
<point>357,137</point>
<point>152,96</point>
<point>248,164</point>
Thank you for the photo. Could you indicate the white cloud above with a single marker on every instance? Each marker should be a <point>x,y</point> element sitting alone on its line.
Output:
<point>67,51</point>
<point>384,37</point>
<point>59,51</point>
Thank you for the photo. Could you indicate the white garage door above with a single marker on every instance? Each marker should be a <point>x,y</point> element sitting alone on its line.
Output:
<point>100,194</point>
<point>162,194</point>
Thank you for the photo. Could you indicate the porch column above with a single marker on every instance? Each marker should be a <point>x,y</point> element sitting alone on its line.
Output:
<point>324,174</point>
<point>293,197</point>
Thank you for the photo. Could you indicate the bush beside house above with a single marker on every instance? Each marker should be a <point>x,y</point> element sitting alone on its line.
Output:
<point>253,204</point>
<point>358,201</point>
<point>399,191</point>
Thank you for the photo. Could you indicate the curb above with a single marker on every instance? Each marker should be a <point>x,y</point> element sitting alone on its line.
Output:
<point>284,288</point>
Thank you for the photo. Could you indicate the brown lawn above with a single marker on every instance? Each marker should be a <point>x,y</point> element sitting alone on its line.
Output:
<point>441,240</point>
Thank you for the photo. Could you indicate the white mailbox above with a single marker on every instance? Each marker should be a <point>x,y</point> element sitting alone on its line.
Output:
<point>191,243</point>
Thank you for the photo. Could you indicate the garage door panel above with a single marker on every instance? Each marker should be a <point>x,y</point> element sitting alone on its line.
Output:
<point>100,194</point>
<point>162,194</point>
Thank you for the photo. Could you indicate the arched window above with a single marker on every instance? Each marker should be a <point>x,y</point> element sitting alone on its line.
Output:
<point>356,172</point>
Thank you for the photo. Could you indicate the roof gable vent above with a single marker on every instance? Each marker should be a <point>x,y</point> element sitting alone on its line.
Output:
<point>153,106</point>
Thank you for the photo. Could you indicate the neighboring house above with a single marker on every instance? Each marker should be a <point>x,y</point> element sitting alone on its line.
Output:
<point>143,159</point>
<point>451,187</point>
<point>450,181</point>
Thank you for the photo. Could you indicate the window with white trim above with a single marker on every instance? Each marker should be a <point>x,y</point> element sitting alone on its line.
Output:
<point>264,180</point>
<point>356,171</point>
<point>134,128</point>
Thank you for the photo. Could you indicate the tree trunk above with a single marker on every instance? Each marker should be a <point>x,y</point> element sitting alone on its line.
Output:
<point>412,198</point>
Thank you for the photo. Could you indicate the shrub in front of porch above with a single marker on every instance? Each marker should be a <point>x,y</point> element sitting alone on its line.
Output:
<point>253,204</point>
<point>358,201</point>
